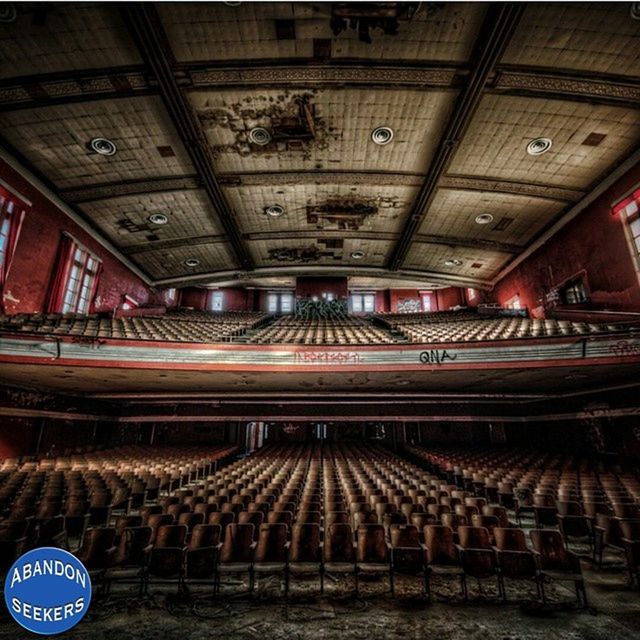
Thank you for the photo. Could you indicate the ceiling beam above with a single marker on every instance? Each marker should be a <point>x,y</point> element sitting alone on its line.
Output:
<point>548,83</point>
<point>324,270</point>
<point>497,29</point>
<point>146,29</point>
<point>469,243</point>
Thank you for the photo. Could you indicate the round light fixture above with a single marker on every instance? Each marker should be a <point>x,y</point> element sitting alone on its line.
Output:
<point>158,218</point>
<point>634,10</point>
<point>453,262</point>
<point>103,146</point>
<point>232,3</point>
<point>357,255</point>
<point>538,146</point>
<point>8,12</point>
<point>192,262</point>
<point>484,218</point>
<point>259,136</point>
<point>382,135</point>
<point>274,210</point>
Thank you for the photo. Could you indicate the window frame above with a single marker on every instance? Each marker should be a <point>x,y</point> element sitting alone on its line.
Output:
<point>81,280</point>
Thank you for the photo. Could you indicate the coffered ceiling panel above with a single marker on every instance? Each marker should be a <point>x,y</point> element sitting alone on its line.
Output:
<point>516,219</point>
<point>593,37</point>
<point>322,251</point>
<point>168,263</point>
<point>309,207</point>
<point>496,143</point>
<point>215,31</point>
<point>55,37</point>
<point>474,263</point>
<point>339,124</point>
<point>126,222</point>
<point>55,140</point>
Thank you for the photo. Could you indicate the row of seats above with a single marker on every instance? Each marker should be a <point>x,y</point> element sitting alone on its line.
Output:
<point>469,328</point>
<point>54,500</point>
<point>347,330</point>
<point>180,326</point>
<point>583,498</point>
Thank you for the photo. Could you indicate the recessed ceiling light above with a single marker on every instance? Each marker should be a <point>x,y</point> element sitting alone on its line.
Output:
<point>453,262</point>
<point>538,146</point>
<point>158,218</point>
<point>382,135</point>
<point>484,218</point>
<point>192,262</point>
<point>259,136</point>
<point>274,210</point>
<point>232,3</point>
<point>635,10</point>
<point>357,255</point>
<point>8,12</point>
<point>103,146</point>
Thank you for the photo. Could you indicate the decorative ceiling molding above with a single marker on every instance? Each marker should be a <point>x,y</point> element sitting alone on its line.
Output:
<point>129,188</point>
<point>273,73</point>
<point>618,89</point>
<point>497,29</point>
<point>471,183</point>
<point>320,177</point>
<point>159,245</point>
<point>314,234</point>
<point>146,29</point>
<point>291,270</point>
<point>471,243</point>
<point>43,90</point>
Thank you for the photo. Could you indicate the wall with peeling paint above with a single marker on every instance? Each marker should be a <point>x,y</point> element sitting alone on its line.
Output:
<point>28,282</point>
<point>594,244</point>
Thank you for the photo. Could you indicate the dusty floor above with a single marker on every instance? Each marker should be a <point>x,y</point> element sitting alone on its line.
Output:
<point>374,614</point>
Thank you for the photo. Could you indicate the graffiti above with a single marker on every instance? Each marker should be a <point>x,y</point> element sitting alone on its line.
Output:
<point>328,357</point>
<point>436,356</point>
<point>625,348</point>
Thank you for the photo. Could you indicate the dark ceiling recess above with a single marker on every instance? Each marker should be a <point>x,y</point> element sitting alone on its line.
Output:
<point>285,29</point>
<point>364,17</point>
<point>594,139</point>
<point>344,214</point>
<point>502,224</point>
<point>498,27</point>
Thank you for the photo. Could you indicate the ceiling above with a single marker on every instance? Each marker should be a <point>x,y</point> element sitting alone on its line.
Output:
<point>179,86</point>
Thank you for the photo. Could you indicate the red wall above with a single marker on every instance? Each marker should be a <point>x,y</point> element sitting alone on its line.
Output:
<point>27,286</point>
<point>18,437</point>
<point>450,297</point>
<point>593,243</point>
<point>309,287</point>
<point>194,297</point>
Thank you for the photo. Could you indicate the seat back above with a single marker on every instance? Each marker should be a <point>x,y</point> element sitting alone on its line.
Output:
<point>305,543</point>
<point>204,535</point>
<point>338,545</point>
<point>440,546</point>
<point>371,545</point>
<point>170,535</point>
<point>272,543</point>
<point>237,543</point>
<point>510,539</point>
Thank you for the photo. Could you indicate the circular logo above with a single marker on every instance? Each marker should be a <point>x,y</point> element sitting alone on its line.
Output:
<point>47,591</point>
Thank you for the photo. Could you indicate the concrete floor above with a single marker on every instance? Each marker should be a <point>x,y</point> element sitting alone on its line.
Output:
<point>374,614</point>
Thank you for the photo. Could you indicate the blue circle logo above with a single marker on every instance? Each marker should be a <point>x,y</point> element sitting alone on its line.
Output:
<point>47,591</point>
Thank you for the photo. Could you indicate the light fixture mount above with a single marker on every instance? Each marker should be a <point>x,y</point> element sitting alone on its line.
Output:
<point>538,146</point>
<point>357,255</point>
<point>382,135</point>
<point>158,218</point>
<point>274,210</point>
<point>484,218</point>
<point>103,146</point>
<point>259,136</point>
<point>453,262</point>
<point>192,262</point>
<point>8,12</point>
